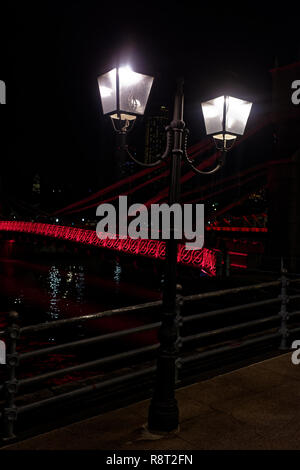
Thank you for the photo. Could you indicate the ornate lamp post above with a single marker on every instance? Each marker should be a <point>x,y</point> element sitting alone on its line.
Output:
<point>124,95</point>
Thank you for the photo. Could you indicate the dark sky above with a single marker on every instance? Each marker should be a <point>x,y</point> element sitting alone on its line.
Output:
<point>52,53</point>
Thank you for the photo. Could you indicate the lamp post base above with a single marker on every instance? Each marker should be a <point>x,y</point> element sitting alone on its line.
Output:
<point>145,434</point>
<point>163,417</point>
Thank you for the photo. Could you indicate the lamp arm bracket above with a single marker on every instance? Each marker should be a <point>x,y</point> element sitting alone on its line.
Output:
<point>138,162</point>
<point>160,158</point>
<point>220,161</point>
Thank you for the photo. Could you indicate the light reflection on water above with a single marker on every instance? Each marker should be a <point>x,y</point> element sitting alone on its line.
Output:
<point>54,281</point>
<point>67,285</point>
<point>117,272</point>
<point>44,288</point>
<point>64,285</point>
<point>18,300</point>
<point>79,276</point>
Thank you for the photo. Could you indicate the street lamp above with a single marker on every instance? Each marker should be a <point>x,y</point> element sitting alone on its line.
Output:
<point>124,96</point>
<point>225,118</point>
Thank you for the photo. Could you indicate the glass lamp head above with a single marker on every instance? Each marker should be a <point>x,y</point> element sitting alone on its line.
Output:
<point>225,118</point>
<point>124,93</point>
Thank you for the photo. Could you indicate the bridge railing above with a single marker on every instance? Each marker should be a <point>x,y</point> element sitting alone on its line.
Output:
<point>273,327</point>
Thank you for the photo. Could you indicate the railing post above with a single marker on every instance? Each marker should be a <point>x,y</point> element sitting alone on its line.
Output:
<point>219,263</point>
<point>11,385</point>
<point>283,310</point>
<point>227,263</point>
<point>179,322</point>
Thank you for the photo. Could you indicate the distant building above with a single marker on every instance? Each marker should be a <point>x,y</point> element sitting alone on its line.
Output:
<point>155,134</point>
<point>36,185</point>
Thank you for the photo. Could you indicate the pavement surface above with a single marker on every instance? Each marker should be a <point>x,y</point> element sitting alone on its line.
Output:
<point>253,408</point>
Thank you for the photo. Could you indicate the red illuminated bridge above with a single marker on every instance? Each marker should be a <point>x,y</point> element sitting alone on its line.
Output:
<point>205,259</point>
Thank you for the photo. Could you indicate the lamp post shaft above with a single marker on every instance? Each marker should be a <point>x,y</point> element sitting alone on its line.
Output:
<point>163,411</point>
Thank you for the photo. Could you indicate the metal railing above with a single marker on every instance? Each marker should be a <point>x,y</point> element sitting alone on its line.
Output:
<point>278,329</point>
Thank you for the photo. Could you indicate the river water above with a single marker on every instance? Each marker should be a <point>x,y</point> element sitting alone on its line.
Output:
<point>43,286</point>
<point>50,287</point>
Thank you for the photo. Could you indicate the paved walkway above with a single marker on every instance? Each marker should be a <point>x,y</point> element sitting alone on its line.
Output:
<point>256,407</point>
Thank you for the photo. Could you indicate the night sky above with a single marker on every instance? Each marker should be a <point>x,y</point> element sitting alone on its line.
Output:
<point>52,53</point>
